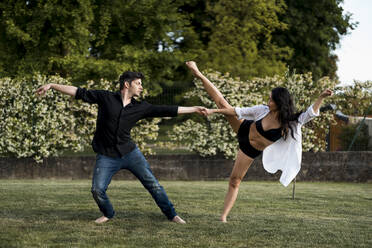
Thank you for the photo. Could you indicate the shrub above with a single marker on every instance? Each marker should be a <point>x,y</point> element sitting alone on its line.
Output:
<point>354,99</point>
<point>214,135</point>
<point>39,127</point>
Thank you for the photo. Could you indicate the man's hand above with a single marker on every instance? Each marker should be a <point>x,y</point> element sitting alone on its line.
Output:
<point>326,93</point>
<point>65,89</point>
<point>195,109</point>
<point>43,89</point>
<point>207,111</point>
<point>201,110</point>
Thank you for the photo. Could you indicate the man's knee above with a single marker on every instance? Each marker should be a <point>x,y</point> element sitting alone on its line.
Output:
<point>98,191</point>
<point>153,186</point>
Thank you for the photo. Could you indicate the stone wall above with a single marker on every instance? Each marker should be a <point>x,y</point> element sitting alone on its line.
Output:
<point>322,166</point>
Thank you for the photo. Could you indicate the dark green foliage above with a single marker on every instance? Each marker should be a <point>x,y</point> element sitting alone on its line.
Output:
<point>236,36</point>
<point>88,39</point>
<point>314,31</point>
<point>37,35</point>
<point>93,39</point>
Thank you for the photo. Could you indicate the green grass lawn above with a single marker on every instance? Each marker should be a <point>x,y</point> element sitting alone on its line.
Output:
<point>60,213</point>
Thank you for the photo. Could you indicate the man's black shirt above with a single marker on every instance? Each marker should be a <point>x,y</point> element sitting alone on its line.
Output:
<point>114,122</point>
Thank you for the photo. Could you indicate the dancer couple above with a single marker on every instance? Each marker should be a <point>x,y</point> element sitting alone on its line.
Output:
<point>274,129</point>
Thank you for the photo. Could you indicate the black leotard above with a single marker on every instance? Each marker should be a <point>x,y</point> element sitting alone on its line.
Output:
<point>243,137</point>
<point>271,134</point>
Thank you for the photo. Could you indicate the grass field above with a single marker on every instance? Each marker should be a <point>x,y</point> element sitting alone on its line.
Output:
<point>59,213</point>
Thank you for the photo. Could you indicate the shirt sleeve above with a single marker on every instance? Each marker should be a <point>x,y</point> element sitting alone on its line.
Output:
<point>161,111</point>
<point>308,115</point>
<point>249,112</point>
<point>89,96</point>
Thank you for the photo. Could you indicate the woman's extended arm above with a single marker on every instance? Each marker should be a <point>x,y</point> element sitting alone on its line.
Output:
<point>226,111</point>
<point>313,110</point>
<point>320,99</point>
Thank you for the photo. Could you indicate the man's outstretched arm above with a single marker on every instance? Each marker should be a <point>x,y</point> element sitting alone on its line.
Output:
<point>195,109</point>
<point>172,110</point>
<point>65,89</point>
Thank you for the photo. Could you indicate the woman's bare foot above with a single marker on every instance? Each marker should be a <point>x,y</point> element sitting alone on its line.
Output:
<point>193,68</point>
<point>101,220</point>
<point>223,219</point>
<point>178,219</point>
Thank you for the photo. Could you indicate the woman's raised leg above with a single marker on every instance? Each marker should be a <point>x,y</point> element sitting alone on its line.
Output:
<point>241,166</point>
<point>215,94</point>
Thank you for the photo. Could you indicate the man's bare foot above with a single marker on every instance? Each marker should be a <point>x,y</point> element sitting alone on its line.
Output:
<point>178,219</point>
<point>101,220</point>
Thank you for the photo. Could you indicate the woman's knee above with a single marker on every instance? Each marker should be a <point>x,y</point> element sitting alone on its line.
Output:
<point>234,182</point>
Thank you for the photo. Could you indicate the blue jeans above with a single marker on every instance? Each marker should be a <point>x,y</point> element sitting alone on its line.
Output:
<point>136,163</point>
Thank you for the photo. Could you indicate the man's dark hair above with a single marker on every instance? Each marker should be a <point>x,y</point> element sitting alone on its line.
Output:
<point>129,76</point>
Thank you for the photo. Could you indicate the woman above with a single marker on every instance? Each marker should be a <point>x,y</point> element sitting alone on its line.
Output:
<point>274,130</point>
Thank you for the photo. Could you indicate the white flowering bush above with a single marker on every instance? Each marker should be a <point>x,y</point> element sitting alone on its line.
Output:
<point>215,136</point>
<point>39,127</point>
<point>355,99</point>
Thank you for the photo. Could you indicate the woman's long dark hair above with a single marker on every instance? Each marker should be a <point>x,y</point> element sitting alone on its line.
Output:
<point>286,108</point>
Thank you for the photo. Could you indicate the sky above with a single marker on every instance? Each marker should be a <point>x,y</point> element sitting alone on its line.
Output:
<point>355,50</point>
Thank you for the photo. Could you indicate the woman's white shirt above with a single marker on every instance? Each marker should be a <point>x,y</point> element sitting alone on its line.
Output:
<point>284,155</point>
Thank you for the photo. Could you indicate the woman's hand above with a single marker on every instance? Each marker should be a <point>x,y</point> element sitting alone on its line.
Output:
<point>201,110</point>
<point>209,111</point>
<point>318,102</point>
<point>326,93</point>
<point>205,111</point>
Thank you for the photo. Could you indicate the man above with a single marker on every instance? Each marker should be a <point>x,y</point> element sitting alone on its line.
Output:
<point>118,112</point>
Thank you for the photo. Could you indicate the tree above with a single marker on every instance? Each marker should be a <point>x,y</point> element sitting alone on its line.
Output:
<point>140,35</point>
<point>85,39</point>
<point>236,36</point>
<point>93,39</point>
<point>37,34</point>
<point>240,42</point>
<point>314,31</point>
